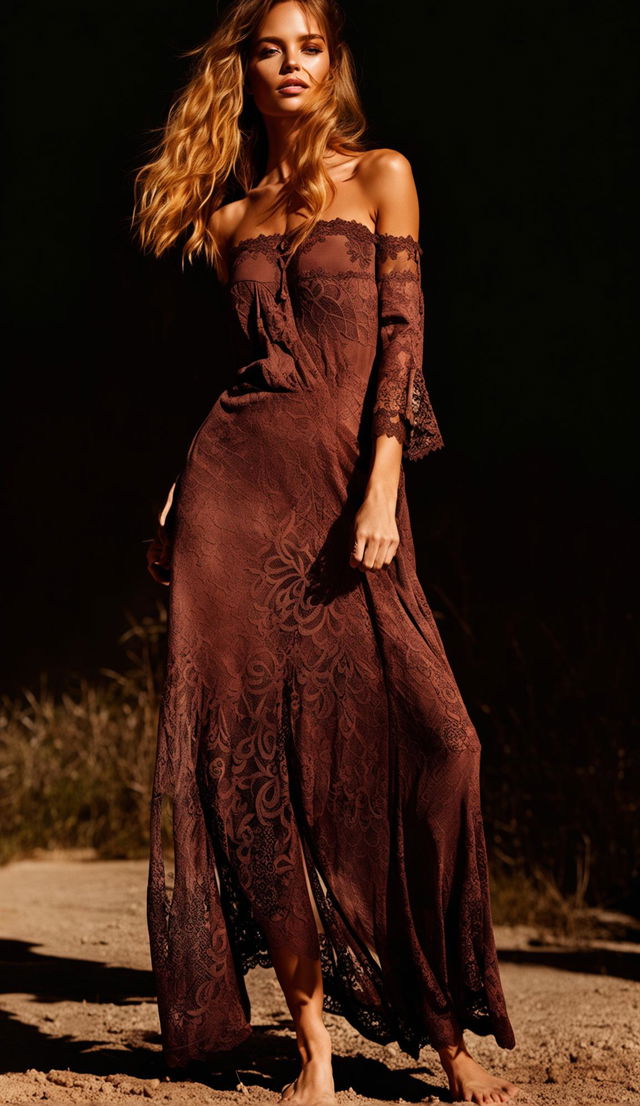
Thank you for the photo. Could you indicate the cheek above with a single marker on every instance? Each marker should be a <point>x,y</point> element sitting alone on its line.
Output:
<point>261,79</point>
<point>318,67</point>
<point>254,83</point>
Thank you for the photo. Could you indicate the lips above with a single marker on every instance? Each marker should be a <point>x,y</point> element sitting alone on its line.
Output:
<point>291,84</point>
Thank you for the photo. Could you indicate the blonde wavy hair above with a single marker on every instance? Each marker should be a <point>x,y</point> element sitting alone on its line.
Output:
<point>213,147</point>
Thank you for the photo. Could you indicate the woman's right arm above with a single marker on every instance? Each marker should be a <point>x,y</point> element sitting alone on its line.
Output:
<point>167,507</point>
<point>159,548</point>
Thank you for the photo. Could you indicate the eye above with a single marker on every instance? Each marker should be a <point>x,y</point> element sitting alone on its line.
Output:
<point>313,50</point>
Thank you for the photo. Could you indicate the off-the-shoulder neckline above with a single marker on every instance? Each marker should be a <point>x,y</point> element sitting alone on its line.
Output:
<point>327,224</point>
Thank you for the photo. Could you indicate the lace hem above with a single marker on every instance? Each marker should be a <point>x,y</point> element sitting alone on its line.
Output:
<point>352,980</point>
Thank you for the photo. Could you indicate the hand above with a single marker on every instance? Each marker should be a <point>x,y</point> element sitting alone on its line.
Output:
<point>159,557</point>
<point>159,548</point>
<point>375,531</point>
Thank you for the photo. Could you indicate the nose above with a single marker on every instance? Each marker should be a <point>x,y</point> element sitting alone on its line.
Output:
<point>290,63</point>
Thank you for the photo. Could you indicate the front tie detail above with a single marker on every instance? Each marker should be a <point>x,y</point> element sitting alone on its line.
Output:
<point>283,261</point>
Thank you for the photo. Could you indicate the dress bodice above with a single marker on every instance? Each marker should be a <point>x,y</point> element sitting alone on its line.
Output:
<point>336,248</point>
<point>346,303</point>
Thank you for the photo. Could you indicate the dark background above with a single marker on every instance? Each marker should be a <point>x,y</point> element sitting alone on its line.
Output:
<point>517,120</point>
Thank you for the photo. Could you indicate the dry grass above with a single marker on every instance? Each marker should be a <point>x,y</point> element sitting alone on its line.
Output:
<point>76,768</point>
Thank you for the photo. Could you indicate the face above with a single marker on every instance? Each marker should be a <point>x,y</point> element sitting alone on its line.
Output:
<point>288,57</point>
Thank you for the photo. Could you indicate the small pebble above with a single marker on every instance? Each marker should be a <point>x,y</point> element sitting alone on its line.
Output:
<point>553,1074</point>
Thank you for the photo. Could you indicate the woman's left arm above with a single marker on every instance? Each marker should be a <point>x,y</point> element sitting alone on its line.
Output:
<point>403,421</point>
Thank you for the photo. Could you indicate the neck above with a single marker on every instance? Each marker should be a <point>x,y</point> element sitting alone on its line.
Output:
<point>281,134</point>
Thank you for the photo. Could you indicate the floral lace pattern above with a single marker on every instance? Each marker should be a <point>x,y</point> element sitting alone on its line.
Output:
<point>402,407</point>
<point>310,724</point>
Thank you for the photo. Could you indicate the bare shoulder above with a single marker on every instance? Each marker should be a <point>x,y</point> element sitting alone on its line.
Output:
<point>383,168</point>
<point>387,178</point>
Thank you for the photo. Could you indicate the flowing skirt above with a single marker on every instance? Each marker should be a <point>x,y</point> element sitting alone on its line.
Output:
<point>315,760</point>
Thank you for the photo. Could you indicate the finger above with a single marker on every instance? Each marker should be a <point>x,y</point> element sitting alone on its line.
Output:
<point>392,549</point>
<point>371,552</point>
<point>158,576</point>
<point>381,557</point>
<point>154,557</point>
<point>159,551</point>
<point>357,550</point>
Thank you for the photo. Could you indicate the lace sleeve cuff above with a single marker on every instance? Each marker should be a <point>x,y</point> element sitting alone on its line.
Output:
<point>402,408</point>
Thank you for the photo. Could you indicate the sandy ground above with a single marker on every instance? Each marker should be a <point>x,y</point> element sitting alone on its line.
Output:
<point>80,1025</point>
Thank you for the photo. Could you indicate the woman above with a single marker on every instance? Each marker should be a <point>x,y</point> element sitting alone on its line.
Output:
<point>322,768</point>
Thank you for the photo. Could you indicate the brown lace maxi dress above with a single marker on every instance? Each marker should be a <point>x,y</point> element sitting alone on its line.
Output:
<point>309,714</point>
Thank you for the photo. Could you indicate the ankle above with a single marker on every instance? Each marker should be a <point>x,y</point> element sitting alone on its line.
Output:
<point>449,1053</point>
<point>313,1041</point>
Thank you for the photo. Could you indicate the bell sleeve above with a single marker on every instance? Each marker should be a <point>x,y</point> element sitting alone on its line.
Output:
<point>402,408</point>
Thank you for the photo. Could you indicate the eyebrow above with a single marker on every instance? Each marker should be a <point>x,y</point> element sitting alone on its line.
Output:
<point>274,38</point>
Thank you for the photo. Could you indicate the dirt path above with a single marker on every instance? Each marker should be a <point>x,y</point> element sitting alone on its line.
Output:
<point>79,1022</point>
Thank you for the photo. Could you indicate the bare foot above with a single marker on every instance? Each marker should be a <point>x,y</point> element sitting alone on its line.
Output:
<point>314,1085</point>
<point>469,1081</point>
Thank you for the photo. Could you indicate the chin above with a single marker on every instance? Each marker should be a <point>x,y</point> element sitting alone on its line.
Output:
<point>288,108</point>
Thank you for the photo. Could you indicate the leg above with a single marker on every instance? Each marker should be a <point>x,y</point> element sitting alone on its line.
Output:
<point>450,812</point>
<point>459,815</point>
<point>301,980</point>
